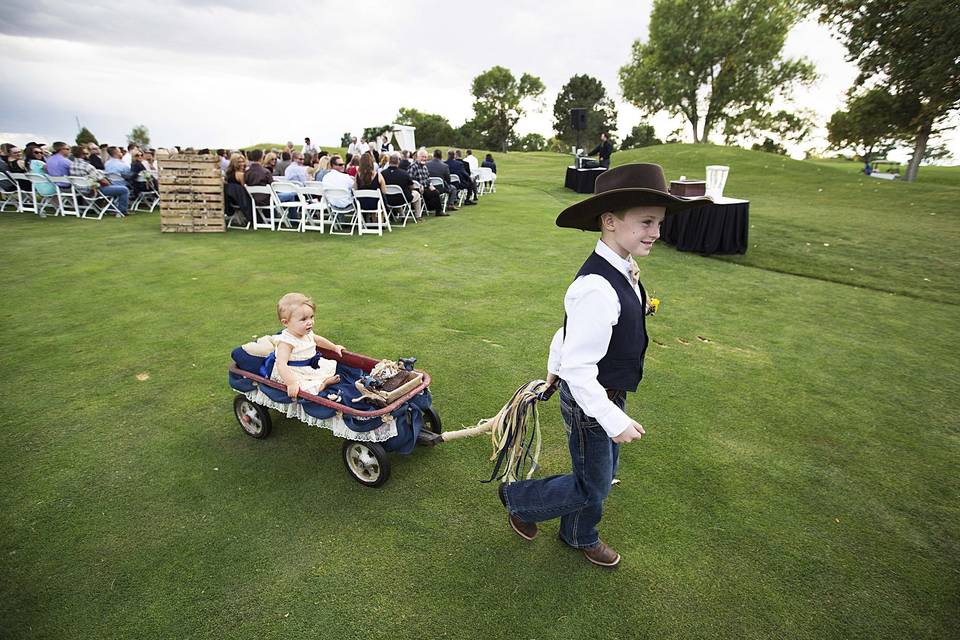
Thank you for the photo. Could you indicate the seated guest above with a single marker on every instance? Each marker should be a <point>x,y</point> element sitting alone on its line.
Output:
<point>404,160</point>
<point>384,159</point>
<point>234,195</point>
<point>128,156</point>
<point>394,175</point>
<point>136,169</point>
<point>5,183</point>
<point>93,156</point>
<point>295,171</point>
<point>354,165</point>
<point>58,164</point>
<point>438,169</point>
<point>489,163</point>
<point>459,169</point>
<point>270,162</point>
<point>117,171</point>
<point>280,167</point>
<point>369,179</point>
<point>471,161</point>
<point>308,148</point>
<point>80,167</point>
<point>37,165</point>
<point>224,161</point>
<point>256,175</point>
<point>149,163</point>
<point>337,179</point>
<point>323,168</point>
<point>421,175</point>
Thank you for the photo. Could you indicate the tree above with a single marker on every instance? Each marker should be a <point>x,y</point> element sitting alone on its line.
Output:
<point>432,129</point>
<point>873,123</point>
<point>583,92</point>
<point>642,135</point>
<point>498,102</point>
<point>346,139</point>
<point>770,146</point>
<point>936,153</point>
<point>139,135</point>
<point>911,49</point>
<point>777,127</point>
<point>712,60</point>
<point>530,142</point>
<point>85,137</point>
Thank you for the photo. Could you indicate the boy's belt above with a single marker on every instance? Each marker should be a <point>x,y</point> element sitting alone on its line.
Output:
<point>611,393</point>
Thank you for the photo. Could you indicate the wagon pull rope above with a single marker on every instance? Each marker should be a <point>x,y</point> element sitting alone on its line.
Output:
<point>514,433</point>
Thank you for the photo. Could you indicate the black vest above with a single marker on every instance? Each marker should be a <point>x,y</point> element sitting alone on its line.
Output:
<point>622,366</point>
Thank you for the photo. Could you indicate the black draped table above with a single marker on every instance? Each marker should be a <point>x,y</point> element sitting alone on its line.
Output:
<point>720,227</point>
<point>582,180</point>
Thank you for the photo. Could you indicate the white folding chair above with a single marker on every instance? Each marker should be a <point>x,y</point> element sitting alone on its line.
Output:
<point>441,188</point>
<point>148,198</point>
<point>9,192</point>
<point>488,179</point>
<point>379,212</point>
<point>286,208</point>
<point>262,213</point>
<point>68,197</point>
<point>461,191</point>
<point>340,216</point>
<point>401,212</point>
<point>25,201</point>
<point>312,207</point>
<point>40,201</point>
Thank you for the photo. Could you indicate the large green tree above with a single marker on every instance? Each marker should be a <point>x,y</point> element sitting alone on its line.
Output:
<point>499,100</point>
<point>583,92</point>
<point>139,135</point>
<point>432,129</point>
<point>85,137</point>
<point>911,48</point>
<point>873,123</point>
<point>642,135</point>
<point>712,60</point>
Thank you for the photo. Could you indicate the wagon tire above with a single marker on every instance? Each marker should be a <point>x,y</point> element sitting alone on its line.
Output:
<point>254,419</point>
<point>366,462</point>
<point>432,418</point>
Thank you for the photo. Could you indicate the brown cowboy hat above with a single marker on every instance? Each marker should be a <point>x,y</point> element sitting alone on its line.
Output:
<point>629,185</point>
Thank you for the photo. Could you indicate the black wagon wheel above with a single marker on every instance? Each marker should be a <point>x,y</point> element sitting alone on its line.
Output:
<point>254,419</point>
<point>432,419</point>
<point>366,462</point>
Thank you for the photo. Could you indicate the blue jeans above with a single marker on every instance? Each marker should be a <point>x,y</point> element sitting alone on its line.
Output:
<point>576,498</point>
<point>119,193</point>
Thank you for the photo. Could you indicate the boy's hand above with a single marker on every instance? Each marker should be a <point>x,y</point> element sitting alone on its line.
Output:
<point>293,389</point>
<point>631,433</point>
<point>338,349</point>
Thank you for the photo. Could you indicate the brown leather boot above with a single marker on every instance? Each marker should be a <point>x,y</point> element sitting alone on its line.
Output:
<point>602,555</point>
<point>526,530</point>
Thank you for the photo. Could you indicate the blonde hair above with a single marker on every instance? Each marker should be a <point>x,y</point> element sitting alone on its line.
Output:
<point>290,302</point>
<point>324,163</point>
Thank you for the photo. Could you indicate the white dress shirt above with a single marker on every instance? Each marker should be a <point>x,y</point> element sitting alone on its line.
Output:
<point>473,162</point>
<point>338,180</point>
<point>593,309</point>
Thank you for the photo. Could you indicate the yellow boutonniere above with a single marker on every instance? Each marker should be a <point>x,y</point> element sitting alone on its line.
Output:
<point>652,305</point>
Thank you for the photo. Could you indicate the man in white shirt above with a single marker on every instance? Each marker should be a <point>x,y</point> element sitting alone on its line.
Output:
<point>472,162</point>
<point>597,356</point>
<point>308,148</point>
<point>128,157</point>
<point>337,179</point>
<point>352,147</point>
<point>295,171</point>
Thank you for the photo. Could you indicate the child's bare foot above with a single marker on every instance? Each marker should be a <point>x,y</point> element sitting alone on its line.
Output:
<point>329,381</point>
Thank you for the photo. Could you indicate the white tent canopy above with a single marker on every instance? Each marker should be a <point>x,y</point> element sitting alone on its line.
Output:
<point>403,134</point>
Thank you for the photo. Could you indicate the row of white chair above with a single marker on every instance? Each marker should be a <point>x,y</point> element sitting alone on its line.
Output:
<point>76,196</point>
<point>334,211</point>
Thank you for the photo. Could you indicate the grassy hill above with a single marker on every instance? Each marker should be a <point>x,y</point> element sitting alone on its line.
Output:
<point>798,477</point>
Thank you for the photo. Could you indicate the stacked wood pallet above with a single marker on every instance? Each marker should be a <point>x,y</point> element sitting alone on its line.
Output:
<point>191,193</point>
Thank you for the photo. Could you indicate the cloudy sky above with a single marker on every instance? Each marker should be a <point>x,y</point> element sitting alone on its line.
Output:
<point>216,73</point>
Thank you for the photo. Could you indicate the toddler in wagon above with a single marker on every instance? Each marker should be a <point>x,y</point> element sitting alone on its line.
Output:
<point>297,363</point>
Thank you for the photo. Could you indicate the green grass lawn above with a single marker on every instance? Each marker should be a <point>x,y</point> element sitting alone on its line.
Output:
<point>798,480</point>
